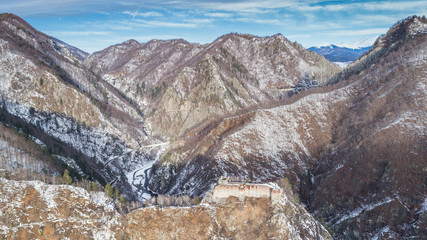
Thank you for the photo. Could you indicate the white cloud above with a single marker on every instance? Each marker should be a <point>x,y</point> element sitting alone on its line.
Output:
<point>260,21</point>
<point>77,33</point>
<point>144,14</point>
<point>370,6</point>
<point>145,23</point>
<point>245,6</point>
<point>363,32</point>
<point>298,36</point>
<point>219,15</point>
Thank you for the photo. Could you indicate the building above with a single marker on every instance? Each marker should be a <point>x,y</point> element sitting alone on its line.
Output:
<point>228,187</point>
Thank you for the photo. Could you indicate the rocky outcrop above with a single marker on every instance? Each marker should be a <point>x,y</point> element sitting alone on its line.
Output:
<point>32,209</point>
<point>60,211</point>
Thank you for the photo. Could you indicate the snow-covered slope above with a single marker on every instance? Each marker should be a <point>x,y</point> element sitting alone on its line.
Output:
<point>178,84</point>
<point>32,209</point>
<point>347,148</point>
<point>47,89</point>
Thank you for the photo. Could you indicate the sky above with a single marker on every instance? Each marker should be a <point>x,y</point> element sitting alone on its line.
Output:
<point>93,25</point>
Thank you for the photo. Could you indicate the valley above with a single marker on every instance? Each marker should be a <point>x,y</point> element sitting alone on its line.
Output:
<point>168,118</point>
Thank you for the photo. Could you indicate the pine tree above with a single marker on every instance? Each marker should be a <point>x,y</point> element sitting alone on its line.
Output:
<point>109,190</point>
<point>66,177</point>
<point>116,193</point>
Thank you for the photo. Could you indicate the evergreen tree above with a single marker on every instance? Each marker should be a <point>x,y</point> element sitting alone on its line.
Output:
<point>116,192</point>
<point>109,190</point>
<point>66,177</point>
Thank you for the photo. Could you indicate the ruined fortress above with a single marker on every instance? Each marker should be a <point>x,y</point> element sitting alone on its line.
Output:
<point>227,187</point>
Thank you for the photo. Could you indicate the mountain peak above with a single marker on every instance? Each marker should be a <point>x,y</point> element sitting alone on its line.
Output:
<point>409,27</point>
<point>14,19</point>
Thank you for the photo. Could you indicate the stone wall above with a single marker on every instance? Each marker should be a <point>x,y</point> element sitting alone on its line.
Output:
<point>222,191</point>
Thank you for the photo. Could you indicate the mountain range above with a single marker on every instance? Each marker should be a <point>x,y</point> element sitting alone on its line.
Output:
<point>169,118</point>
<point>339,54</point>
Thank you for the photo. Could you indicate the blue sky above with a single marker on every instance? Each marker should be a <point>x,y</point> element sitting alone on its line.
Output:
<point>93,25</point>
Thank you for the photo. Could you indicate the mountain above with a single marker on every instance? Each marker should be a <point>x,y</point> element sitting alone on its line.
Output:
<point>75,116</point>
<point>177,84</point>
<point>354,150</point>
<point>167,119</point>
<point>358,44</point>
<point>344,53</point>
<point>339,54</point>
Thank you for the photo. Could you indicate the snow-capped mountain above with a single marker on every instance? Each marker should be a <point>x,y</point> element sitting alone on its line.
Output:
<point>344,53</point>
<point>361,43</point>
<point>339,54</point>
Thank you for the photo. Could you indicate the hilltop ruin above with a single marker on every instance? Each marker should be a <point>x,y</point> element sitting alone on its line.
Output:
<point>229,187</point>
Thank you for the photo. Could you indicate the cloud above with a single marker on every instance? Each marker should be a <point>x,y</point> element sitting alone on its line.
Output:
<point>145,23</point>
<point>78,33</point>
<point>298,36</point>
<point>219,15</point>
<point>369,6</point>
<point>372,31</point>
<point>144,14</point>
<point>260,21</point>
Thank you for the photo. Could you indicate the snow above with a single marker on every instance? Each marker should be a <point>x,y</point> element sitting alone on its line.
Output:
<point>342,64</point>
<point>71,163</point>
<point>86,216</point>
<point>358,44</point>
<point>423,206</point>
<point>363,208</point>
<point>418,27</point>
<point>274,131</point>
<point>380,233</point>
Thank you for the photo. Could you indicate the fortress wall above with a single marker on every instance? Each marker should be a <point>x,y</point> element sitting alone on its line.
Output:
<point>221,192</point>
<point>275,195</point>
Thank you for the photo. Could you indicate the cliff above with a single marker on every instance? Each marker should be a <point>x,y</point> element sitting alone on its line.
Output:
<point>31,209</point>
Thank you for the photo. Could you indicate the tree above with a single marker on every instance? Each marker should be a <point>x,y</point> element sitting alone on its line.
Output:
<point>109,190</point>
<point>116,193</point>
<point>66,177</point>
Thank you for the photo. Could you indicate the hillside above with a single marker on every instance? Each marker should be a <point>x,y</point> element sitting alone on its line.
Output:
<point>167,119</point>
<point>56,211</point>
<point>345,147</point>
<point>47,93</point>
<point>177,84</point>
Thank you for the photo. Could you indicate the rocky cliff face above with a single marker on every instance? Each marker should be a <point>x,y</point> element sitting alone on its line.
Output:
<point>31,209</point>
